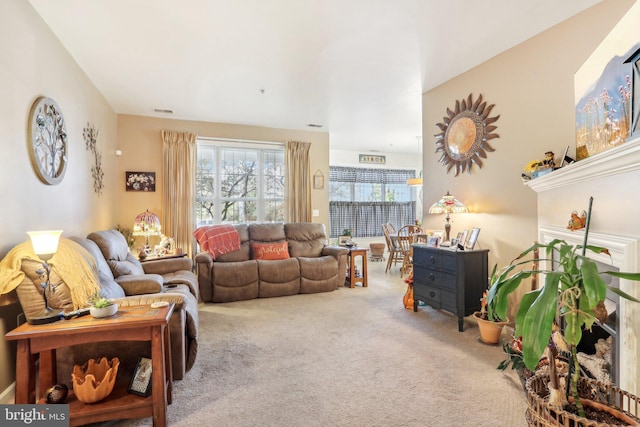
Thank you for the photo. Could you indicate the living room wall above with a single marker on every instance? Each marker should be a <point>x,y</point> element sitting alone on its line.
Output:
<point>32,64</point>
<point>531,86</point>
<point>141,143</point>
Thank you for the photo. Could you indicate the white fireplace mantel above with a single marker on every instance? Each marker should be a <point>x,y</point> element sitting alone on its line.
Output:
<point>621,159</point>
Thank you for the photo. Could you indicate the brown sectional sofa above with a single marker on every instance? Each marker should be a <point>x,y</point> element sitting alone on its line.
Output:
<point>130,283</point>
<point>313,266</point>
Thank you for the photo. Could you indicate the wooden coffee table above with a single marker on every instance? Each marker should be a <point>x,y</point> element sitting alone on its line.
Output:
<point>139,323</point>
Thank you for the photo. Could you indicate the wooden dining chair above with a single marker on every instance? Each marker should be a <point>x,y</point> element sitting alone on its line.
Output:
<point>395,255</point>
<point>405,240</point>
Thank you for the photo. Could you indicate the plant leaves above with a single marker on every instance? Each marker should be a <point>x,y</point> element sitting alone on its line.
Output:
<point>594,287</point>
<point>538,321</point>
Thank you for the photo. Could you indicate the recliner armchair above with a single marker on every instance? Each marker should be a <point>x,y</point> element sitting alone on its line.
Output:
<point>125,279</point>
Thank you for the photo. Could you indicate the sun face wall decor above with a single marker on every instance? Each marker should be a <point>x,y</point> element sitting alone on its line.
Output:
<point>465,135</point>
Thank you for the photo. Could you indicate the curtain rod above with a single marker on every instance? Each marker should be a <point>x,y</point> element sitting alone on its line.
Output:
<point>210,138</point>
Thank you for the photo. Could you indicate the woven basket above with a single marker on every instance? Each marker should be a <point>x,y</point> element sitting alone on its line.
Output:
<point>539,414</point>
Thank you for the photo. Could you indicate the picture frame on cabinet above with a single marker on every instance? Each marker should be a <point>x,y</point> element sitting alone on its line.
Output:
<point>473,238</point>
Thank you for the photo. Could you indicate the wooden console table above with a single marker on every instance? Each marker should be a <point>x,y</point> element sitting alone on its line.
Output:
<point>141,323</point>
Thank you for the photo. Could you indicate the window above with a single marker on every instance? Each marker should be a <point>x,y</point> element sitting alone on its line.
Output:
<point>369,185</point>
<point>362,199</point>
<point>239,182</point>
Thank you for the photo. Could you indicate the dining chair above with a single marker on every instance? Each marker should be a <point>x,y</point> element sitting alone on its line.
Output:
<point>395,255</point>
<point>405,240</point>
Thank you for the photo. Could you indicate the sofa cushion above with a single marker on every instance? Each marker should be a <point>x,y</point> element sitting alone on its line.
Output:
<point>114,247</point>
<point>138,284</point>
<point>306,239</point>
<point>270,251</point>
<point>278,277</point>
<point>235,281</point>
<point>244,253</point>
<point>110,288</point>
<point>319,274</point>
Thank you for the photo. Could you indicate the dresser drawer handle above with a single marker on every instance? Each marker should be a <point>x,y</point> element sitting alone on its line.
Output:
<point>432,294</point>
<point>432,277</point>
<point>432,260</point>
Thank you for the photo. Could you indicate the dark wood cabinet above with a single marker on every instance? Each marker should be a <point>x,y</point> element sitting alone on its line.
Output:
<point>449,280</point>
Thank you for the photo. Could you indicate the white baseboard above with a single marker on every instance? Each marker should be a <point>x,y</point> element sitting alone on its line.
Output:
<point>8,395</point>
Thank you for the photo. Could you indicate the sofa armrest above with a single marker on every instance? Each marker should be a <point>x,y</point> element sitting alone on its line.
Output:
<point>169,265</point>
<point>139,284</point>
<point>335,251</point>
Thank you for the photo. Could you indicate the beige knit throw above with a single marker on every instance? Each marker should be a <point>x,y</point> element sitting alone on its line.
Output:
<point>73,263</point>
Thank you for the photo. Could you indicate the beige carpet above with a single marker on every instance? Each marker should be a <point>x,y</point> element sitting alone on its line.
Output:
<point>353,357</point>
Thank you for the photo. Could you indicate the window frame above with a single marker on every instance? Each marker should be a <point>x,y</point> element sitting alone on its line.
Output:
<point>261,199</point>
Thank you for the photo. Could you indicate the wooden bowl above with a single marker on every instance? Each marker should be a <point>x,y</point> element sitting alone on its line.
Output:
<point>94,380</point>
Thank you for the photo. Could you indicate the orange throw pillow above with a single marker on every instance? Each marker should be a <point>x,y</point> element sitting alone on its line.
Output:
<point>270,251</point>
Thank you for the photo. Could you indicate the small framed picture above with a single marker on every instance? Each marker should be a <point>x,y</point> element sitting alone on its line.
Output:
<point>438,233</point>
<point>140,181</point>
<point>421,238</point>
<point>318,180</point>
<point>342,240</point>
<point>462,237</point>
<point>434,241</point>
<point>141,380</point>
<point>473,238</point>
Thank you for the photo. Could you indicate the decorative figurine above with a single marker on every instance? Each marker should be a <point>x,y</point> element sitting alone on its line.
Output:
<point>57,393</point>
<point>577,222</point>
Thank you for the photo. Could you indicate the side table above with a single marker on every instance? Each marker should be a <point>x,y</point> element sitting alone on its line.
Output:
<point>141,323</point>
<point>352,278</point>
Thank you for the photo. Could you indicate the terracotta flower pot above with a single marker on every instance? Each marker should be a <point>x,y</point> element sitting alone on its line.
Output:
<point>489,330</point>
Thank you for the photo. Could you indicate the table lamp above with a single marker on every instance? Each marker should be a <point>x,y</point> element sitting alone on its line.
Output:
<point>147,224</point>
<point>447,205</point>
<point>45,245</point>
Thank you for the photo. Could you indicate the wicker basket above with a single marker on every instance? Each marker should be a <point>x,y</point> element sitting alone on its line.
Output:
<point>540,414</point>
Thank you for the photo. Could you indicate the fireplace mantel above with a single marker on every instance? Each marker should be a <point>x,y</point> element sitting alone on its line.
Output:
<point>621,159</point>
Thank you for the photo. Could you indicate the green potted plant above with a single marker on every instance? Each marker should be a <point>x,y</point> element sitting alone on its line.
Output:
<point>490,324</point>
<point>553,316</point>
<point>102,306</point>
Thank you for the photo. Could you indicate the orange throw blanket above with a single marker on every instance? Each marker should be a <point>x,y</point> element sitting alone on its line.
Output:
<point>217,239</point>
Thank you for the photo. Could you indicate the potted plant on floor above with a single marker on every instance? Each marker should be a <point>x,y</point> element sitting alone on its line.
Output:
<point>490,323</point>
<point>550,321</point>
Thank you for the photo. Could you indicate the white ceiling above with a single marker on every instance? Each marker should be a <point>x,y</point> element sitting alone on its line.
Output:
<point>356,67</point>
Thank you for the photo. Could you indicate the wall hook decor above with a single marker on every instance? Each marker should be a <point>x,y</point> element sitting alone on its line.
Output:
<point>90,135</point>
<point>465,135</point>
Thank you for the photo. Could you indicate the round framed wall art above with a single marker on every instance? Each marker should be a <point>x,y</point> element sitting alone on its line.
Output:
<point>48,141</point>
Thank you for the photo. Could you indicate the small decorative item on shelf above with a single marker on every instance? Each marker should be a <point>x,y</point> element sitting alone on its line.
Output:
<point>102,306</point>
<point>537,168</point>
<point>56,393</point>
<point>94,380</point>
<point>577,222</point>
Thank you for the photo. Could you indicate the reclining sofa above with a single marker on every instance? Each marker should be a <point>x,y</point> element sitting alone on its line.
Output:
<point>129,283</point>
<point>304,263</point>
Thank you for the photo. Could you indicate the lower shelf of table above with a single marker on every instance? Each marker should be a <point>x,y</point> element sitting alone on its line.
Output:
<point>120,404</point>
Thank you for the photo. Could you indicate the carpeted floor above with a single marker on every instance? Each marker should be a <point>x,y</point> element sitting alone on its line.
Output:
<point>353,357</point>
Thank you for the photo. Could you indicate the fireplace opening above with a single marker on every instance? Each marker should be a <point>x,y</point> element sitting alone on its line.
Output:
<point>600,346</point>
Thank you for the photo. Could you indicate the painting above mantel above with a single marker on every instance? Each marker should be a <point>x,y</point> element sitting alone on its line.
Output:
<point>604,91</point>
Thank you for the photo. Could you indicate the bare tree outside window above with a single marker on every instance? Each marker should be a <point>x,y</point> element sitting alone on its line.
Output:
<point>237,185</point>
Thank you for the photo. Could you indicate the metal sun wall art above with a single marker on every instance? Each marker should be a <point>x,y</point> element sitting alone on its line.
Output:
<point>90,135</point>
<point>465,135</point>
<point>48,141</point>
